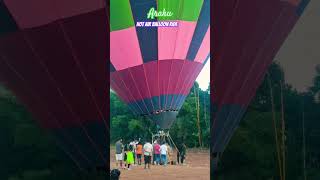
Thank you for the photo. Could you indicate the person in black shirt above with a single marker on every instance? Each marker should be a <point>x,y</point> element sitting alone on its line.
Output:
<point>181,154</point>
<point>125,149</point>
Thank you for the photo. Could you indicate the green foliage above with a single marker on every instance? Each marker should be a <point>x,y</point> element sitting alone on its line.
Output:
<point>37,175</point>
<point>252,148</point>
<point>127,126</point>
<point>251,153</point>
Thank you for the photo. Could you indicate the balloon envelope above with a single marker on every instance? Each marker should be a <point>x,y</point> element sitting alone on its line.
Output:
<point>248,34</point>
<point>154,68</point>
<point>53,57</point>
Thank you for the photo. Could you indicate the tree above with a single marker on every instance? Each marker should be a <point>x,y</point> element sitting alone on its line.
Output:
<point>127,126</point>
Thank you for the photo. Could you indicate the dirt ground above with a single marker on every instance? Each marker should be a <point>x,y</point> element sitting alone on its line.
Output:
<point>197,166</point>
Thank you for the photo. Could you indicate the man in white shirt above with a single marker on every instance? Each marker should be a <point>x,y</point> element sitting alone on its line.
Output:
<point>147,151</point>
<point>163,153</point>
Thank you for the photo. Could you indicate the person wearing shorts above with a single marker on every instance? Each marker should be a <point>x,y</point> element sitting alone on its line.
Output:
<point>119,152</point>
<point>147,149</point>
<point>139,152</point>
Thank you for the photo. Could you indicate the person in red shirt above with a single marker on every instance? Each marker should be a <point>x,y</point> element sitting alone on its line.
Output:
<point>156,148</point>
<point>139,151</point>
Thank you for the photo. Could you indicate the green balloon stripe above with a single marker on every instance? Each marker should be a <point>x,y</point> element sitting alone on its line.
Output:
<point>120,15</point>
<point>186,10</point>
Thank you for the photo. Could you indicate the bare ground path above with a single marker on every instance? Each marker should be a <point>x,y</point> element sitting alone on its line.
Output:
<point>197,168</point>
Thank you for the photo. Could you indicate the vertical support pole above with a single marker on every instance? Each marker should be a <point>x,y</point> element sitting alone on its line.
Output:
<point>198,113</point>
<point>304,143</point>
<point>275,125</point>
<point>283,133</point>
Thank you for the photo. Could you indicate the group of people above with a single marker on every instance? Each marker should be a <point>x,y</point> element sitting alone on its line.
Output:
<point>157,153</point>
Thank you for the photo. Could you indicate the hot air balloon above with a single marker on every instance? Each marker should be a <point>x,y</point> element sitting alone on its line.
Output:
<point>153,68</point>
<point>53,58</point>
<point>248,34</point>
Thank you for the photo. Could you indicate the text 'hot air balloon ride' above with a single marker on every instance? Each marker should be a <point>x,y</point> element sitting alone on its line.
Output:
<point>248,34</point>
<point>158,48</point>
<point>53,57</point>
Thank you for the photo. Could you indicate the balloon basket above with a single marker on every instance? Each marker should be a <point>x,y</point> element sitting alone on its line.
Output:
<point>163,136</point>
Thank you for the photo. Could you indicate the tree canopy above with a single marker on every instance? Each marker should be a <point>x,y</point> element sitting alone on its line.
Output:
<point>252,152</point>
<point>128,127</point>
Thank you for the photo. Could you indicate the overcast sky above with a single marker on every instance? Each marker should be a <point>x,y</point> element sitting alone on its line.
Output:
<point>301,52</point>
<point>204,76</point>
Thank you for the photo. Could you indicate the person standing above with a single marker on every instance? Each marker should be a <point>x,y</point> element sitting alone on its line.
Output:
<point>133,144</point>
<point>169,154</point>
<point>125,148</point>
<point>119,152</point>
<point>163,153</point>
<point>135,150</point>
<point>147,149</point>
<point>130,159</point>
<point>183,153</point>
<point>156,149</point>
<point>139,152</point>
<point>179,152</point>
<point>153,155</point>
<point>182,149</point>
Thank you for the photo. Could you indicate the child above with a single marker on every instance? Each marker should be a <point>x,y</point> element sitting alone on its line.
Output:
<point>130,158</point>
